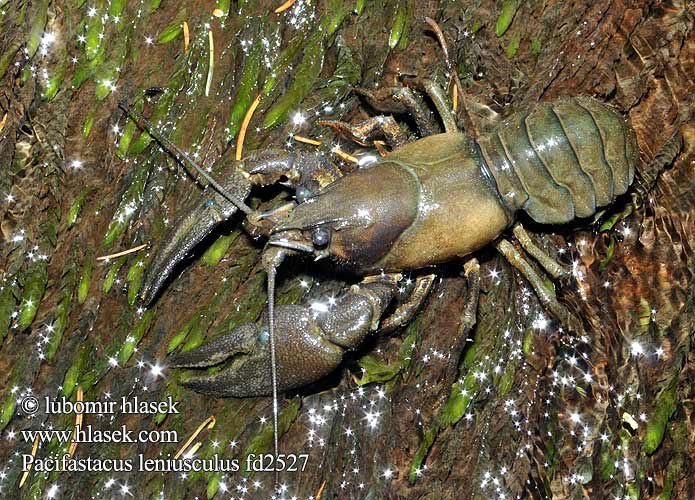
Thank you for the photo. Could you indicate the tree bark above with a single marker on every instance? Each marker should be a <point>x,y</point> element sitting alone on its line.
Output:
<point>519,408</point>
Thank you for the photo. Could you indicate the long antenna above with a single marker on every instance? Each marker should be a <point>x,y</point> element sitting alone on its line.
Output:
<point>143,123</point>
<point>272,271</point>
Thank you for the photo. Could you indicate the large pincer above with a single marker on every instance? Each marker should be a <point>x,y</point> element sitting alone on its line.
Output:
<point>210,210</point>
<point>303,352</point>
<point>310,343</point>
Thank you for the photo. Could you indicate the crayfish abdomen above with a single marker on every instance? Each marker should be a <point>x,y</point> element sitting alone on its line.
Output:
<point>561,160</point>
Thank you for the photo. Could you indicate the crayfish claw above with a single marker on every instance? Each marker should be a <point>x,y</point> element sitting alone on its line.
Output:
<point>309,346</point>
<point>304,355</point>
<point>192,227</point>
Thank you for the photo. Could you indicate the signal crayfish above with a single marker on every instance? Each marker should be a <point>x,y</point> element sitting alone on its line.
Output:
<point>432,200</point>
<point>429,201</point>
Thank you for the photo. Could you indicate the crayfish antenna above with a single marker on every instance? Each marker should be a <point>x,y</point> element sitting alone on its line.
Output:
<point>273,363</point>
<point>179,154</point>
<point>272,259</point>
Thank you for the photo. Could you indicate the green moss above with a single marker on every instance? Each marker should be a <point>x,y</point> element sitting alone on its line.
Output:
<point>246,89</point>
<point>128,134</point>
<point>134,279</point>
<point>672,474</point>
<point>536,45</point>
<point>400,21</point>
<point>88,123</point>
<point>608,224</point>
<point>513,46</point>
<point>55,80</point>
<point>606,465</point>
<point>507,381</point>
<point>213,255</point>
<point>196,334</point>
<point>8,56</point>
<point>213,484</point>
<point>609,255</point>
<point>40,16</point>
<point>135,336</point>
<point>461,396</point>
<point>664,408</point>
<point>504,21</point>
<point>405,353</point>
<point>170,32</point>
<point>112,273</point>
<point>85,278</point>
<point>375,370</point>
<point>181,335</point>
<point>8,407</point>
<point>421,453</point>
<point>224,6</point>
<point>35,280</point>
<point>175,28</point>
<point>127,207</point>
<point>528,342</point>
<point>359,6</point>
<point>645,316</point>
<point>80,361</point>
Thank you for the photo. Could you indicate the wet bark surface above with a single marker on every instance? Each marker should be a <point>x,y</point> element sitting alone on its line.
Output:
<point>521,407</point>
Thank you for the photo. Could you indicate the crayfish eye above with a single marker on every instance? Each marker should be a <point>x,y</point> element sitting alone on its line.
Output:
<point>302,194</point>
<point>320,237</point>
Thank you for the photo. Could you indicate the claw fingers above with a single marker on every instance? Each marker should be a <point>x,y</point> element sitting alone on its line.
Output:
<point>304,355</point>
<point>243,379</point>
<point>191,229</point>
<point>216,351</point>
<point>267,167</point>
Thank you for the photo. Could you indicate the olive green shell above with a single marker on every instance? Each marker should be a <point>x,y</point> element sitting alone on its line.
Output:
<point>562,160</point>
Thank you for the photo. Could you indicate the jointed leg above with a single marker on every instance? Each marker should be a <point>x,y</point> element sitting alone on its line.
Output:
<point>440,102</point>
<point>546,261</point>
<point>469,315</point>
<point>404,313</point>
<point>365,131</point>
<point>301,170</point>
<point>546,296</point>
<point>401,100</point>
